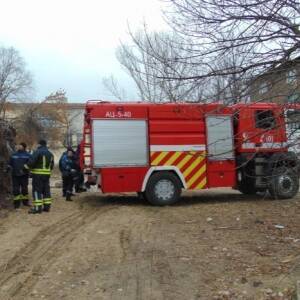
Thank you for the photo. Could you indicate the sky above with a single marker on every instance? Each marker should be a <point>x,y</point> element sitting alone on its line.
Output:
<point>71,44</point>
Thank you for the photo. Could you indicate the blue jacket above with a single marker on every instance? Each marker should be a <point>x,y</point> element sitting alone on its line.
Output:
<point>66,164</point>
<point>17,162</point>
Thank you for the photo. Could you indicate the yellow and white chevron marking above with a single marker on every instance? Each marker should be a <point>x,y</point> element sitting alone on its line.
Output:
<point>192,165</point>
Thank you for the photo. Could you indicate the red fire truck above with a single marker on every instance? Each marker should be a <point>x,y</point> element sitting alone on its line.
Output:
<point>157,150</point>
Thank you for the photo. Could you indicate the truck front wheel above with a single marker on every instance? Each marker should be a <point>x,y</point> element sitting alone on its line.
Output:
<point>284,183</point>
<point>163,188</point>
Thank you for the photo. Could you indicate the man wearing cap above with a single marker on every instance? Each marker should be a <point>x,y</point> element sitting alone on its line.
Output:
<point>20,175</point>
<point>41,165</point>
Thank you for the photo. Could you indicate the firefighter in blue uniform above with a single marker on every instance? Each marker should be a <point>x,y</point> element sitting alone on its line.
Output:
<point>41,165</point>
<point>67,166</point>
<point>20,175</point>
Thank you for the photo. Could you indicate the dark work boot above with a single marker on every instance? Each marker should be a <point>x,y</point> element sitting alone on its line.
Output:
<point>26,202</point>
<point>80,190</point>
<point>47,207</point>
<point>17,204</point>
<point>68,197</point>
<point>35,210</point>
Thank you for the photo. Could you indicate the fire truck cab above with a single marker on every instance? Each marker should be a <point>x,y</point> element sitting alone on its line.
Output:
<point>157,150</point>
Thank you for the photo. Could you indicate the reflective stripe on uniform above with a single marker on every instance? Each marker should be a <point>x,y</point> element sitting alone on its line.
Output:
<point>47,200</point>
<point>41,171</point>
<point>44,162</point>
<point>38,202</point>
<point>23,197</point>
<point>17,198</point>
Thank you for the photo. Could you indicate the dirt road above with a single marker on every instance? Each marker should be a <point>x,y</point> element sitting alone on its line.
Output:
<point>215,245</point>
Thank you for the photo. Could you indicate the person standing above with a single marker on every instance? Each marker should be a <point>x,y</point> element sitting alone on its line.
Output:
<point>41,165</point>
<point>67,166</point>
<point>20,175</point>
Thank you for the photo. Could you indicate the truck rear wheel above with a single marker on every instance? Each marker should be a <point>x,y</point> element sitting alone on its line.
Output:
<point>284,183</point>
<point>163,188</point>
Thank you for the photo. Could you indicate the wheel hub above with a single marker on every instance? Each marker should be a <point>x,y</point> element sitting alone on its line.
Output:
<point>164,189</point>
<point>285,183</point>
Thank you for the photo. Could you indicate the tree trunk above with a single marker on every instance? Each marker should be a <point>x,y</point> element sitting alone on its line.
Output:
<point>7,138</point>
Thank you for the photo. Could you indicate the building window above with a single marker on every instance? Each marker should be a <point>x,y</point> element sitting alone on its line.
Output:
<point>293,98</point>
<point>264,119</point>
<point>291,76</point>
<point>293,119</point>
<point>263,88</point>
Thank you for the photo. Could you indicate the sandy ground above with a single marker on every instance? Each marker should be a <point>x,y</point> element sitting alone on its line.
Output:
<point>215,244</point>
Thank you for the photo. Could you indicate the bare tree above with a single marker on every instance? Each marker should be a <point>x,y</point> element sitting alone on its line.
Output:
<point>111,84</point>
<point>47,119</point>
<point>15,80</point>
<point>152,57</point>
<point>222,45</point>
<point>59,123</point>
<point>53,116</point>
<point>269,29</point>
<point>233,87</point>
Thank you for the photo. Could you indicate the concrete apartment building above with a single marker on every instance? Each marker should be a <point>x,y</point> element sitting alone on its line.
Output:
<point>281,85</point>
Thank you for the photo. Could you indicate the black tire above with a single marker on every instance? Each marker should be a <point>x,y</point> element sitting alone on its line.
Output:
<point>284,183</point>
<point>141,195</point>
<point>247,186</point>
<point>165,183</point>
<point>287,160</point>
